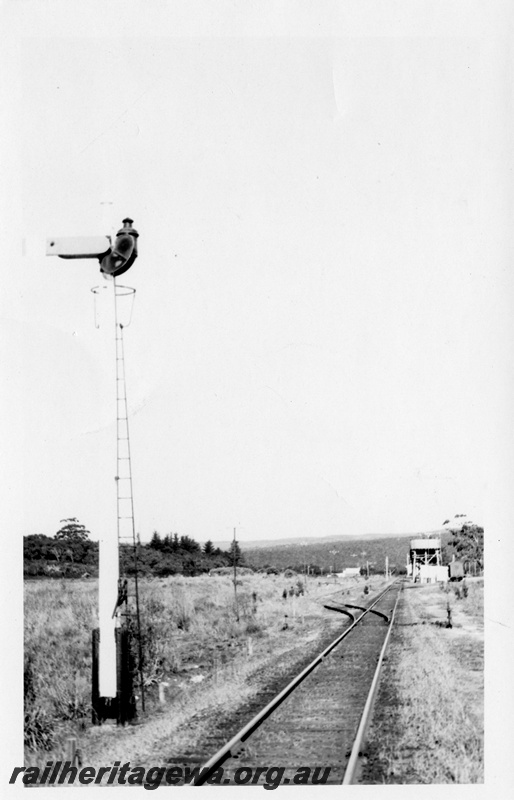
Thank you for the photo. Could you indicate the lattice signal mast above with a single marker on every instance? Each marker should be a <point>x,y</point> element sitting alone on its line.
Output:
<point>119,609</point>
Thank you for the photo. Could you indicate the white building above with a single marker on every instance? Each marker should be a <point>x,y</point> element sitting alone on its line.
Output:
<point>349,572</point>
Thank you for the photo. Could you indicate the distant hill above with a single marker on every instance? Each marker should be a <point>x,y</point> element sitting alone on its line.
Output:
<point>318,554</point>
<point>267,543</point>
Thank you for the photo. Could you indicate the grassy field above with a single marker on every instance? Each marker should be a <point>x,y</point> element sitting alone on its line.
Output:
<point>192,642</point>
<point>428,724</point>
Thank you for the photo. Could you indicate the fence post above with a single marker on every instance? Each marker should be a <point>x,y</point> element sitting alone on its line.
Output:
<point>162,692</point>
<point>72,754</point>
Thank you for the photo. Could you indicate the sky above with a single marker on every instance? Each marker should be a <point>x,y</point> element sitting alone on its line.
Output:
<point>320,322</point>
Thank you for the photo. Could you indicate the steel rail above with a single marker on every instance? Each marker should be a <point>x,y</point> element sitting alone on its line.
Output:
<point>234,746</point>
<point>366,714</point>
<point>341,611</point>
<point>378,613</point>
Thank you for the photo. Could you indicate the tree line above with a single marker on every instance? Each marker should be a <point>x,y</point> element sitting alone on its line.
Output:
<point>72,553</point>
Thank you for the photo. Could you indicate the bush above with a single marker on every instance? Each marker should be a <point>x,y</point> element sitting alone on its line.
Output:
<point>168,566</point>
<point>253,628</point>
<point>38,730</point>
<point>230,571</point>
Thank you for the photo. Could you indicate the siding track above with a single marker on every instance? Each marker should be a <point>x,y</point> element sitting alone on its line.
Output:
<point>315,719</point>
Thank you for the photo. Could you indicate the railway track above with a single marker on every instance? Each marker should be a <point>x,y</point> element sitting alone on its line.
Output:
<point>318,720</point>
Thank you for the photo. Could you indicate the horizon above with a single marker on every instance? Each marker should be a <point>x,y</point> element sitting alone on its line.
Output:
<point>295,539</point>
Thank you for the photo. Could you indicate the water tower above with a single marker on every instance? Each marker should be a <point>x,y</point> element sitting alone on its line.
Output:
<point>425,561</point>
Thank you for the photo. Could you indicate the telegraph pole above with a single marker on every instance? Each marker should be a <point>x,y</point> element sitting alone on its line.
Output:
<point>334,553</point>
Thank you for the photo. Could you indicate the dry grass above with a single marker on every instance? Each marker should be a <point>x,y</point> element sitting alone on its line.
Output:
<point>192,641</point>
<point>428,725</point>
<point>59,617</point>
